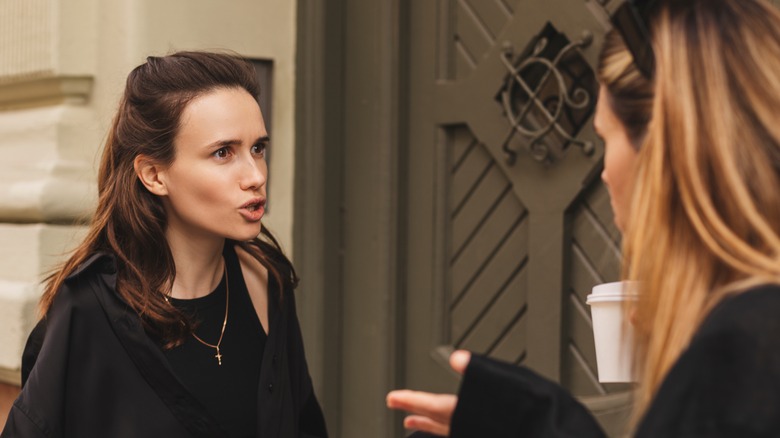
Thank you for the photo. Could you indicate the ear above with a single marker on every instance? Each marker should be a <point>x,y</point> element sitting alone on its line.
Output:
<point>150,174</point>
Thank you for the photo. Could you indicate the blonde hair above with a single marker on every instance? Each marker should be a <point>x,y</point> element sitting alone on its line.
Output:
<point>705,218</point>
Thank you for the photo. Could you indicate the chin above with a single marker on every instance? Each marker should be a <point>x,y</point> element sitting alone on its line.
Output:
<point>245,235</point>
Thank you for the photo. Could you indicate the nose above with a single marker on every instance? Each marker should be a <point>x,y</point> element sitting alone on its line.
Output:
<point>252,174</point>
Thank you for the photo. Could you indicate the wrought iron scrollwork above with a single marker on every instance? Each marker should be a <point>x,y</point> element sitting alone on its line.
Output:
<point>534,106</point>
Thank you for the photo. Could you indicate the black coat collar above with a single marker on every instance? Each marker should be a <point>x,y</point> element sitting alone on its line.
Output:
<point>147,355</point>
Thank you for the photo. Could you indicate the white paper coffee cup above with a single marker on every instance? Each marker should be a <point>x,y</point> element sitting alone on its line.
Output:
<point>612,337</point>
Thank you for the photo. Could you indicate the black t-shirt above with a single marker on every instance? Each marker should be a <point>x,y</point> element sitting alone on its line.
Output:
<point>228,391</point>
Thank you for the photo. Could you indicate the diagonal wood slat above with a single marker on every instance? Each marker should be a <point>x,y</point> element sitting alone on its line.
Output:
<point>490,14</point>
<point>490,281</point>
<point>476,163</point>
<point>471,30</point>
<point>461,144</point>
<point>598,203</point>
<point>471,33</point>
<point>499,317</point>
<point>581,379</point>
<point>581,339</point>
<point>583,274</point>
<point>508,6</point>
<point>511,348</point>
<point>595,243</point>
<point>483,246</point>
<point>464,61</point>
<point>484,198</point>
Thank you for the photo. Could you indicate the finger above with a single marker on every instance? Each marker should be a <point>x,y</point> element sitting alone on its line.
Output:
<point>459,360</point>
<point>413,401</point>
<point>436,406</point>
<point>419,422</point>
<point>396,399</point>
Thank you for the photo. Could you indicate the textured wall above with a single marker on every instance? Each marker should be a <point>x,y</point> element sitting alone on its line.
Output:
<point>26,39</point>
<point>47,141</point>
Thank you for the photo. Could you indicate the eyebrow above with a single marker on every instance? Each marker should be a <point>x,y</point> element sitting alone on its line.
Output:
<point>235,142</point>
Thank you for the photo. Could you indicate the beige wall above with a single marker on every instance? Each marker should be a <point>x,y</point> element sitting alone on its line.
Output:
<point>62,67</point>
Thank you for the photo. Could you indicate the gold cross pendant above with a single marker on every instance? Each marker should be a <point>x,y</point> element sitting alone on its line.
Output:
<point>219,357</point>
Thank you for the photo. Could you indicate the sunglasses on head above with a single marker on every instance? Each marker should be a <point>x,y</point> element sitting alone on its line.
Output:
<point>631,19</point>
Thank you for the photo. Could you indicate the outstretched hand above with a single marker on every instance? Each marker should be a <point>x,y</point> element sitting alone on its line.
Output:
<point>431,413</point>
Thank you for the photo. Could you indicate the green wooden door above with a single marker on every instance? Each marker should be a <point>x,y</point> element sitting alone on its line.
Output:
<point>508,225</point>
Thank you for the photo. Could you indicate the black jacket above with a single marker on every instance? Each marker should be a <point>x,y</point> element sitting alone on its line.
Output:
<point>725,384</point>
<point>90,370</point>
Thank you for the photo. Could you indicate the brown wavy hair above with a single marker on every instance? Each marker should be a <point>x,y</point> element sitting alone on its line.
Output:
<point>705,220</point>
<point>129,222</point>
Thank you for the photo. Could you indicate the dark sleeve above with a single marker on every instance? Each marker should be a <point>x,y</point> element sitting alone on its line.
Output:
<point>311,421</point>
<point>501,400</point>
<point>32,348</point>
<point>727,384</point>
<point>38,409</point>
<point>21,424</point>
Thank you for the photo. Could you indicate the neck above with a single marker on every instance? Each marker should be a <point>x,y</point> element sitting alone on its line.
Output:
<point>199,264</point>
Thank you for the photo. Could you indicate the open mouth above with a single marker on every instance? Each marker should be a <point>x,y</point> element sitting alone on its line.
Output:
<point>253,210</point>
<point>254,205</point>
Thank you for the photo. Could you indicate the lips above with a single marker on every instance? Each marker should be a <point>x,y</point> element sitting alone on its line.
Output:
<point>253,210</point>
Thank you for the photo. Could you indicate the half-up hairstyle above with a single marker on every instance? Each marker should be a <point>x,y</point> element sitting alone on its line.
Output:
<point>630,94</point>
<point>129,222</point>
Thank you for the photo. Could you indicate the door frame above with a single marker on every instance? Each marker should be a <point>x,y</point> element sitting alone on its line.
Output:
<point>348,198</point>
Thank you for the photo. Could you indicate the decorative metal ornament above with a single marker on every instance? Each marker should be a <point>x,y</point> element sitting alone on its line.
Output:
<point>536,95</point>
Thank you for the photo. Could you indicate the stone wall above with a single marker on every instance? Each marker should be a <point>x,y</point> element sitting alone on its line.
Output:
<point>48,136</point>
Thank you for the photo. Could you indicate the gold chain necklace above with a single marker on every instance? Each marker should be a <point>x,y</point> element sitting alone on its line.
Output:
<point>224,322</point>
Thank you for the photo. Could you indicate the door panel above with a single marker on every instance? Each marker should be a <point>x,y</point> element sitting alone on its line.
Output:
<point>488,248</point>
<point>508,225</point>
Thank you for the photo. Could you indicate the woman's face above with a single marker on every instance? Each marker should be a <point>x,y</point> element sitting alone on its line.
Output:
<point>216,186</point>
<point>619,158</point>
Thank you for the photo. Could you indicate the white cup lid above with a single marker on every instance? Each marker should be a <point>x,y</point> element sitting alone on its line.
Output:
<point>614,291</point>
<point>607,298</point>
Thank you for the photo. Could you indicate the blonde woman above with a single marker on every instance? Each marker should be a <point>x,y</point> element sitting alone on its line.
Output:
<point>701,224</point>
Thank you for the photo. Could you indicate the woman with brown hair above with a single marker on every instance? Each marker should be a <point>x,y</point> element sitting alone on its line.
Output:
<point>701,224</point>
<point>173,318</point>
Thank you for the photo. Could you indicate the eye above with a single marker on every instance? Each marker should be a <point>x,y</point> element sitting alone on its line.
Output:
<point>259,149</point>
<point>221,153</point>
